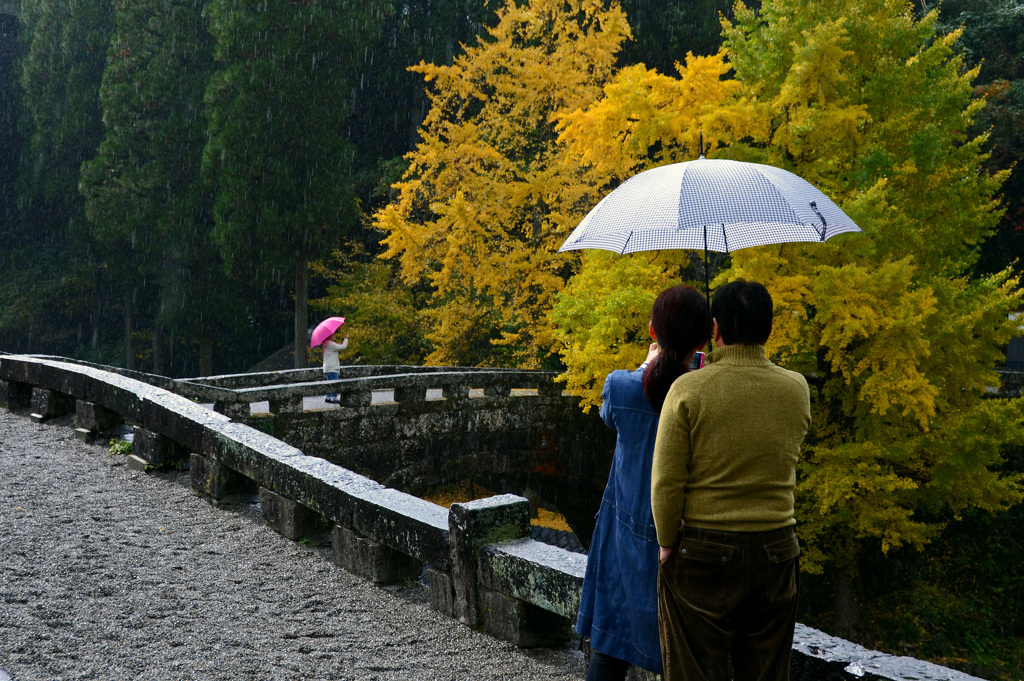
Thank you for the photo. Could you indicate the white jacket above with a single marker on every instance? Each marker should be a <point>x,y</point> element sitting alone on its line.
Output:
<point>331,350</point>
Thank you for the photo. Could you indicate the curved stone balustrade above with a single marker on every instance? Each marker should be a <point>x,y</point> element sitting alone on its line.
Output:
<point>265,378</point>
<point>539,442</point>
<point>417,428</point>
<point>379,532</point>
<point>481,565</point>
<point>357,391</point>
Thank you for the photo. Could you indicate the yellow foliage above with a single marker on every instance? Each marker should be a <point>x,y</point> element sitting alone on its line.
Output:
<point>488,199</point>
<point>601,318</point>
<point>896,337</point>
<point>869,324</point>
<point>383,322</point>
<point>646,119</point>
<point>854,486</point>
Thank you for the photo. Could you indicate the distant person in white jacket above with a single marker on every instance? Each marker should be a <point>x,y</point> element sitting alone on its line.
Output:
<point>331,363</point>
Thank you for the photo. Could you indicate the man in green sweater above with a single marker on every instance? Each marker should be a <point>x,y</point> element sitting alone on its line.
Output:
<point>722,495</point>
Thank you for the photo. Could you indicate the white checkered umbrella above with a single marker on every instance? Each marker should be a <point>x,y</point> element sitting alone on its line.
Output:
<point>709,204</point>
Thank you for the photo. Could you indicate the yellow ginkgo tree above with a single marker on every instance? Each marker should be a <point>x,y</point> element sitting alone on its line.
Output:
<point>487,199</point>
<point>895,332</point>
<point>644,119</point>
<point>897,335</point>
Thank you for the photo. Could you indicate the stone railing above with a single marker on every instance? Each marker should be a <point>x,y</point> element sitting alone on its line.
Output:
<point>473,553</point>
<point>481,566</point>
<point>285,392</point>
<point>267,378</point>
<point>420,428</point>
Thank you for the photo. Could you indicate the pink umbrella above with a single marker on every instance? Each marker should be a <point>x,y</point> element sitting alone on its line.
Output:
<point>324,329</point>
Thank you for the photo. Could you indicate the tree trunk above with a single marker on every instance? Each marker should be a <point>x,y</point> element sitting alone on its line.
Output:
<point>206,357</point>
<point>129,327</point>
<point>170,350</point>
<point>847,612</point>
<point>158,348</point>
<point>301,311</point>
<point>97,304</point>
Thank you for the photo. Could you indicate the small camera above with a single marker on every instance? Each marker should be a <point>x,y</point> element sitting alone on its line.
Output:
<point>698,361</point>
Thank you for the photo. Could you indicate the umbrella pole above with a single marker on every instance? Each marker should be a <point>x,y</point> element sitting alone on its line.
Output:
<point>707,285</point>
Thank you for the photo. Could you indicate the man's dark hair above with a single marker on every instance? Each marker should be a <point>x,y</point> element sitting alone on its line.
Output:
<point>744,311</point>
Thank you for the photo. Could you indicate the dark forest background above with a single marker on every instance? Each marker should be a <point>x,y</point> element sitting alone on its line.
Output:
<point>96,269</point>
<point>89,271</point>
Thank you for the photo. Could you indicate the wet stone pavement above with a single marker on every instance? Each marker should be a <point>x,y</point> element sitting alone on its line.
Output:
<point>109,573</point>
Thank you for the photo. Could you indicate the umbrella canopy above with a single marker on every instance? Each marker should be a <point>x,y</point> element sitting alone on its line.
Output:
<point>324,329</point>
<point>709,204</point>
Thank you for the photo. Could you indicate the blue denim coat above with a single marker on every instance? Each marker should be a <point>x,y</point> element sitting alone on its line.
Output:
<point>619,606</point>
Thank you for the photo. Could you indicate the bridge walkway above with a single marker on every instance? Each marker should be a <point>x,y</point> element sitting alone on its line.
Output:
<point>109,573</point>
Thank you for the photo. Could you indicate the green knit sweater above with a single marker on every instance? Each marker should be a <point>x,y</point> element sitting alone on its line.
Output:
<point>728,443</point>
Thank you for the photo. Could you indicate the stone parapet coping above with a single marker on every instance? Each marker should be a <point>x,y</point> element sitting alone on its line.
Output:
<point>265,378</point>
<point>523,570</point>
<point>820,656</point>
<point>151,379</point>
<point>537,573</point>
<point>503,379</point>
<point>414,526</point>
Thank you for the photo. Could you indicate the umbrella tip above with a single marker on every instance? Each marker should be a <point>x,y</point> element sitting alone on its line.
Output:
<point>702,149</point>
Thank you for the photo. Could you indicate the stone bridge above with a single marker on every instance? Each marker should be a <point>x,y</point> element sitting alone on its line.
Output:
<point>481,565</point>
<point>416,428</point>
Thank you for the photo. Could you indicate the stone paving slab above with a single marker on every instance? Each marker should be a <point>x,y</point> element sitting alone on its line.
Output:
<point>111,573</point>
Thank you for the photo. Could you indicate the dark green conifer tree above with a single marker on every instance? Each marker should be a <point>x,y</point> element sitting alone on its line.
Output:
<point>663,32</point>
<point>993,37</point>
<point>277,157</point>
<point>49,292</point>
<point>144,193</point>
<point>10,141</point>
<point>388,101</point>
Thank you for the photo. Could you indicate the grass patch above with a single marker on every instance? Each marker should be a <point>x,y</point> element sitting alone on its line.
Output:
<point>120,447</point>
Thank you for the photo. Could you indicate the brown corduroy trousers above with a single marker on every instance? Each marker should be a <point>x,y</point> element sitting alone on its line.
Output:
<point>723,594</point>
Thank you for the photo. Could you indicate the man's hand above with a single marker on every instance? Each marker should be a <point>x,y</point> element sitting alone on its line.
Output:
<point>663,554</point>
